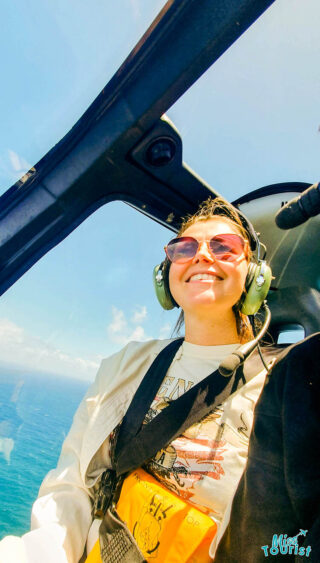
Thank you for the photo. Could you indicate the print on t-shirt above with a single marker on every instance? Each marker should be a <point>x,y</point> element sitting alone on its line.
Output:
<point>192,463</point>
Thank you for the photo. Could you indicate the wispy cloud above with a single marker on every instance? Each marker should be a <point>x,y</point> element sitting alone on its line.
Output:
<point>139,315</point>
<point>32,353</point>
<point>12,166</point>
<point>119,323</point>
<point>18,163</point>
<point>22,349</point>
<point>122,330</point>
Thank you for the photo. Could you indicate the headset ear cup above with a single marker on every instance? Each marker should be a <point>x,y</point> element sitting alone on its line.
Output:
<point>161,286</point>
<point>257,286</point>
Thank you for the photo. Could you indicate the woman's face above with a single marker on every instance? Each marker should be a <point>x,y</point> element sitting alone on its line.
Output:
<point>223,284</point>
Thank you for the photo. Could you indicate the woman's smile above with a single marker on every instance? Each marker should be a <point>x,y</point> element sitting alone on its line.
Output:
<point>204,277</point>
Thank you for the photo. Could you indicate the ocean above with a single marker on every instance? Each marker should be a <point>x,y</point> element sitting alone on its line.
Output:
<point>36,412</point>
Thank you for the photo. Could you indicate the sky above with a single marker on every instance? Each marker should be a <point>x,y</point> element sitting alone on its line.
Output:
<point>252,120</point>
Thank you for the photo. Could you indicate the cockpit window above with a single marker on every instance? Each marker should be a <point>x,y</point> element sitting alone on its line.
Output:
<point>290,334</point>
<point>83,301</point>
<point>55,58</point>
<point>244,121</point>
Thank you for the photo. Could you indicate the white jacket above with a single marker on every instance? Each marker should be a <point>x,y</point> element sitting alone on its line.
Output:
<point>61,516</point>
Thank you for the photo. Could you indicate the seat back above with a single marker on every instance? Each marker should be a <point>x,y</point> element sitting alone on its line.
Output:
<point>294,305</point>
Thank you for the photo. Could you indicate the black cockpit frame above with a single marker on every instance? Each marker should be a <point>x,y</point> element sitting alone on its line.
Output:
<point>120,149</point>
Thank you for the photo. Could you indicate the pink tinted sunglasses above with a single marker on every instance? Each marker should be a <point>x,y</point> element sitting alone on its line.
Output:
<point>226,248</point>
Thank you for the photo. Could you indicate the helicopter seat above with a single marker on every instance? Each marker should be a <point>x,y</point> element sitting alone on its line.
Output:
<point>294,308</point>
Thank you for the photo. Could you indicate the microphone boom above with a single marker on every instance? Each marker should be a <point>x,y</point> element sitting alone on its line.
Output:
<point>299,209</point>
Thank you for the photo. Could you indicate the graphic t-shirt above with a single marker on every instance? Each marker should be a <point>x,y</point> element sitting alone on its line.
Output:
<point>205,464</point>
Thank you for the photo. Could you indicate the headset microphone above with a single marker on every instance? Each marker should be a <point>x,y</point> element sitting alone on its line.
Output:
<point>233,361</point>
<point>299,209</point>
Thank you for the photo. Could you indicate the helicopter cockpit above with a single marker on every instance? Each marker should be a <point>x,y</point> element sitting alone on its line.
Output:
<point>230,88</point>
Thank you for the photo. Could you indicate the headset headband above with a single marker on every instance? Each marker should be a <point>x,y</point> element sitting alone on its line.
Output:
<point>247,225</point>
<point>254,239</point>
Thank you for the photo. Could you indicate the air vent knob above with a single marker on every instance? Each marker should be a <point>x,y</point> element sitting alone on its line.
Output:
<point>161,152</point>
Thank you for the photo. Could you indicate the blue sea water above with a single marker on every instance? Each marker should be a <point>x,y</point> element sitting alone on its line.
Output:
<point>36,412</point>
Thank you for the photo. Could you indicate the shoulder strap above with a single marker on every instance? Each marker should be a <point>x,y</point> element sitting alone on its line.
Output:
<point>145,394</point>
<point>136,442</point>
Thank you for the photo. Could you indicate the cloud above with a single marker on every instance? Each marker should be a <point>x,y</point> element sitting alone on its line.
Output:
<point>138,334</point>
<point>32,353</point>
<point>121,330</point>
<point>18,163</point>
<point>139,315</point>
<point>12,166</point>
<point>10,332</point>
<point>119,323</point>
<point>21,349</point>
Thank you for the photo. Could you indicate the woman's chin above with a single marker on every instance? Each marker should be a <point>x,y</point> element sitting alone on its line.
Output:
<point>206,297</point>
<point>210,304</point>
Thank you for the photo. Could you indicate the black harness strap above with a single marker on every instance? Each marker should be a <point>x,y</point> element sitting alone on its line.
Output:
<point>146,392</point>
<point>138,442</point>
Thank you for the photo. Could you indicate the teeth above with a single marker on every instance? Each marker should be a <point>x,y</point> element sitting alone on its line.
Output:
<point>202,277</point>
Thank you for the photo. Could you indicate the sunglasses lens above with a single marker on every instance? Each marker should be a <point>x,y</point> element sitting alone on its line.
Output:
<point>183,249</point>
<point>227,247</point>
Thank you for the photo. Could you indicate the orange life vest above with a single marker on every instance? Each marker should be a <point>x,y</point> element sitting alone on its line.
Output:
<point>165,527</point>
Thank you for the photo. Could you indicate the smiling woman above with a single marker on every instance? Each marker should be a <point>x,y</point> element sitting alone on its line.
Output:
<point>218,250</point>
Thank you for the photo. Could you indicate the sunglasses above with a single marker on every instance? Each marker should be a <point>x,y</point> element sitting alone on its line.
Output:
<point>226,248</point>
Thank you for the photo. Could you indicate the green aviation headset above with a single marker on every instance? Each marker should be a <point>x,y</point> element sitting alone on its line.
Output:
<point>257,282</point>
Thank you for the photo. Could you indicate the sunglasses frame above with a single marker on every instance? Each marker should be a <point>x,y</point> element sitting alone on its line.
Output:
<point>208,242</point>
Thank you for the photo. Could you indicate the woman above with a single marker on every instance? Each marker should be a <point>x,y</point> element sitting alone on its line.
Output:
<point>205,272</point>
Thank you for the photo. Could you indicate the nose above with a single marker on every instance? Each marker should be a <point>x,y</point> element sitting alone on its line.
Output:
<point>203,253</point>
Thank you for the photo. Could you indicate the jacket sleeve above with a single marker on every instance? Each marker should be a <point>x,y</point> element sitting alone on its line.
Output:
<point>61,515</point>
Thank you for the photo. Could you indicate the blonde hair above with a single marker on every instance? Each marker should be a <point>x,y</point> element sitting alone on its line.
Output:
<point>208,209</point>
